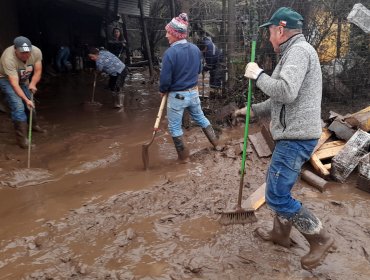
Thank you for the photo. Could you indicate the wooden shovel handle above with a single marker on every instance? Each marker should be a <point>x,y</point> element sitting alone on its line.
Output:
<point>158,119</point>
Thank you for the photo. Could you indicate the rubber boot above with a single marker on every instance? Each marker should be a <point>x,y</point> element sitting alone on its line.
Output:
<point>20,134</point>
<point>182,151</point>
<point>279,234</point>
<point>117,101</point>
<point>35,125</point>
<point>211,135</point>
<point>319,240</point>
<point>121,99</point>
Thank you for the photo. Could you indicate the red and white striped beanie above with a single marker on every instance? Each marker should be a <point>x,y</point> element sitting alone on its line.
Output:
<point>178,26</point>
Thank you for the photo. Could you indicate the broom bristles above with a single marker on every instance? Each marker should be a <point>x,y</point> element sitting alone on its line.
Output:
<point>237,217</point>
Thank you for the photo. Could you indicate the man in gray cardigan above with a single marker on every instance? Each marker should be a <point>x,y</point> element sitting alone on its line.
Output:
<point>295,90</point>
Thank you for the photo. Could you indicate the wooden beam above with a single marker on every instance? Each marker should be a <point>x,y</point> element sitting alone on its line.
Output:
<point>327,166</point>
<point>328,152</point>
<point>256,199</point>
<point>319,167</point>
<point>332,144</point>
<point>325,135</point>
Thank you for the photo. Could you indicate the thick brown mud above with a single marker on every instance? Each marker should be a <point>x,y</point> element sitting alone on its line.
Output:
<point>87,210</point>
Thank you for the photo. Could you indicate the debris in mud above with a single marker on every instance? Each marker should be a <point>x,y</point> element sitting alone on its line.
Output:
<point>26,177</point>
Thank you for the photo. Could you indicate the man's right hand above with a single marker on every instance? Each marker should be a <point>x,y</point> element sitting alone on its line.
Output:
<point>30,104</point>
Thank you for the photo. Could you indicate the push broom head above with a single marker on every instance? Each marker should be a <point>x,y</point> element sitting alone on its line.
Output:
<point>239,216</point>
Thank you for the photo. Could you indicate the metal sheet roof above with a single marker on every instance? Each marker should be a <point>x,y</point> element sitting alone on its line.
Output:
<point>127,7</point>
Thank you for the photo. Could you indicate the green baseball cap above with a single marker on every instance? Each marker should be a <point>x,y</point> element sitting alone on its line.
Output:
<point>285,17</point>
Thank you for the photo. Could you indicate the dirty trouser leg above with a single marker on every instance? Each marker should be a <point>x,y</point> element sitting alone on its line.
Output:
<point>285,166</point>
<point>175,111</point>
<point>17,107</point>
<point>196,111</point>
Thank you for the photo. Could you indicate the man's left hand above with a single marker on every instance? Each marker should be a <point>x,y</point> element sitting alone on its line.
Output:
<point>32,88</point>
<point>252,71</point>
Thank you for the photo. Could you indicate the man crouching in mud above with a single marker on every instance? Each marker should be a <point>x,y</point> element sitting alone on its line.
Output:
<point>181,65</point>
<point>295,91</point>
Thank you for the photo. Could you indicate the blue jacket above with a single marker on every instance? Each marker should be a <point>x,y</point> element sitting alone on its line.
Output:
<point>109,63</point>
<point>213,55</point>
<point>181,65</point>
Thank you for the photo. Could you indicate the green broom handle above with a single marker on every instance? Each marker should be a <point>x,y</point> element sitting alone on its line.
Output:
<point>30,135</point>
<point>247,116</point>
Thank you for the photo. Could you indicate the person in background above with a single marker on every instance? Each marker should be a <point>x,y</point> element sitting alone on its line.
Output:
<point>62,59</point>
<point>117,43</point>
<point>295,91</point>
<point>17,64</point>
<point>110,64</point>
<point>181,65</point>
<point>213,58</point>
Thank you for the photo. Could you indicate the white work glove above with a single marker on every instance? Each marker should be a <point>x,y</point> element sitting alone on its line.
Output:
<point>242,112</point>
<point>252,71</point>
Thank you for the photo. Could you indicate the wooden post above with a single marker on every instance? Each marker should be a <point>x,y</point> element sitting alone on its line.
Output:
<point>172,8</point>
<point>231,42</point>
<point>145,33</point>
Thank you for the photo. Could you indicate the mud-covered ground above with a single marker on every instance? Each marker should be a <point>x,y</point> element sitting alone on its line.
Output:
<point>87,210</point>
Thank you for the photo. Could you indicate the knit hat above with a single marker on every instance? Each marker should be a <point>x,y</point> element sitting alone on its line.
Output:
<point>285,17</point>
<point>178,26</point>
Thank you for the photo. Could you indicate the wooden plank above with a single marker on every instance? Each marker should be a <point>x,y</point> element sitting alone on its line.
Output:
<point>317,164</point>
<point>256,199</point>
<point>327,166</point>
<point>328,153</point>
<point>332,144</point>
<point>325,135</point>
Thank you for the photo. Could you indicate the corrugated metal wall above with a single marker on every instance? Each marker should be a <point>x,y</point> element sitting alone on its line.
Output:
<point>127,7</point>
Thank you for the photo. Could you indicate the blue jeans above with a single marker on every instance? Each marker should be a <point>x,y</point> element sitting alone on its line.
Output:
<point>286,163</point>
<point>61,59</point>
<point>176,107</point>
<point>17,107</point>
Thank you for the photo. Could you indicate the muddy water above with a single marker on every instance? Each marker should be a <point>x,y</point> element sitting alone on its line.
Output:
<point>87,210</point>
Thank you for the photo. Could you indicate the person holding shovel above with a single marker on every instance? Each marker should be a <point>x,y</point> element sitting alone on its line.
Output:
<point>181,65</point>
<point>17,64</point>
<point>109,63</point>
<point>295,91</point>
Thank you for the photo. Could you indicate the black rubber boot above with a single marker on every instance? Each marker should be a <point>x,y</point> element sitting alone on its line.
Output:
<point>318,238</point>
<point>182,151</point>
<point>35,125</point>
<point>211,136</point>
<point>279,234</point>
<point>20,134</point>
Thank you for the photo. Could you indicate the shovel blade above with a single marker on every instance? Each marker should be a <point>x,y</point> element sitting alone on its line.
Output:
<point>145,152</point>
<point>145,155</point>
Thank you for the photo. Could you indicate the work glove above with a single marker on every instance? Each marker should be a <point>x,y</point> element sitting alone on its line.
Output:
<point>239,114</point>
<point>252,71</point>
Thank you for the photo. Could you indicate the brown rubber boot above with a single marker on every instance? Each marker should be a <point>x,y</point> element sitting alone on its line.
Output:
<point>35,125</point>
<point>211,136</point>
<point>319,240</point>
<point>182,151</point>
<point>20,134</point>
<point>279,234</point>
<point>319,247</point>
